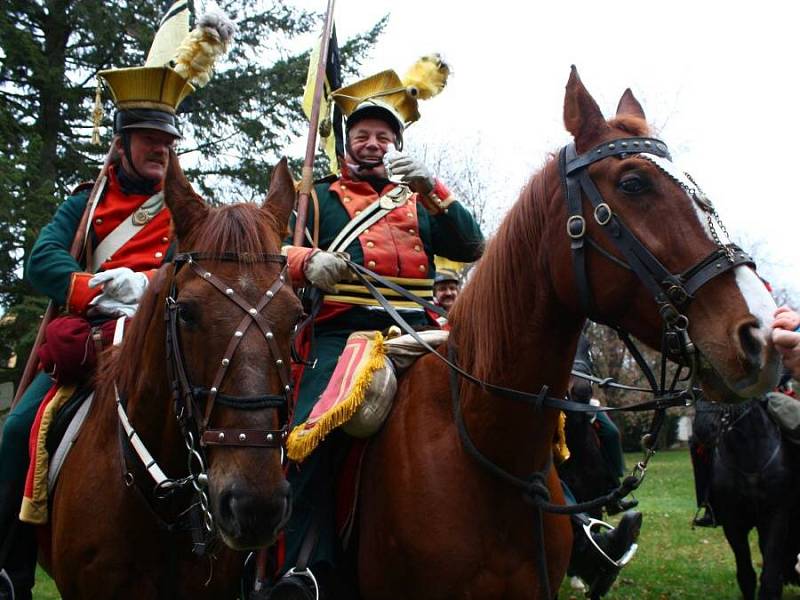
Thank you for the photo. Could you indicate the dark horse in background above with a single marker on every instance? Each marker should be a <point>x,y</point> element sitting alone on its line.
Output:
<point>113,534</point>
<point>755,483</point>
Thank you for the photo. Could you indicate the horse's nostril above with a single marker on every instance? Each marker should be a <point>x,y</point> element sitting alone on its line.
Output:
<point>751,344</point>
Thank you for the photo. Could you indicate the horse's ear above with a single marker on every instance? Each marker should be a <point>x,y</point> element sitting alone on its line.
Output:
<point>582,117</point>
<point>187,208</point>
<point>629,106</point>
<point>281,196</point>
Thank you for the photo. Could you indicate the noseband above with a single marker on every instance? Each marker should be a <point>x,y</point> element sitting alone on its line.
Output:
<point>187,396</point>
<point>672,292</point>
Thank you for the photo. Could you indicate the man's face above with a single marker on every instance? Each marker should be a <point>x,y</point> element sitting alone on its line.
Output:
<point>149,152</point>
<point>369,140</point>
<point>445,293</point>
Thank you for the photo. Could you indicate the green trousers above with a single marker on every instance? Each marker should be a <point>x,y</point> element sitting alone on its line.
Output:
<point>611,444</point>
<point>17,539</point>
<point>314,480</point>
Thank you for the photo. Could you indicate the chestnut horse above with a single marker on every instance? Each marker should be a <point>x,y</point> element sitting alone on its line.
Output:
<point>434,523</point>
<point>118,534</point>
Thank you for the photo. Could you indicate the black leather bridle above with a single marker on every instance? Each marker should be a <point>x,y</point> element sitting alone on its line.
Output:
<point>671,292</point>
<point>187,396</point>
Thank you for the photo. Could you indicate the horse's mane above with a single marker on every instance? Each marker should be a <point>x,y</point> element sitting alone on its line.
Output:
<point>244,229</point>
<point>485,318</point>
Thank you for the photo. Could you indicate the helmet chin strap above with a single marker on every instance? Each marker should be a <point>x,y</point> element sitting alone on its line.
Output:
<point>126,147</point>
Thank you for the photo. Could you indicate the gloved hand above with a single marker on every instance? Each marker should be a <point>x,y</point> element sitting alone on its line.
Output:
<point>110,307</point>
<point>121,284</point>
<point>409,171</point>
<point>325,269</point>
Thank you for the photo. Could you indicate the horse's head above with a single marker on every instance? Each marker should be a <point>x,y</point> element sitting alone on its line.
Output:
<point>642,249</point>
<point>231,318</point>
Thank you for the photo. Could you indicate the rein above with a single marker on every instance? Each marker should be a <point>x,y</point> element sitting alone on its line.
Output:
<point>187,397</point>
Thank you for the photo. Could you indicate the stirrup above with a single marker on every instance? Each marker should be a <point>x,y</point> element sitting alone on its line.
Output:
<point>5,582</point>
<point>598,524</point>
<point>307,573</point>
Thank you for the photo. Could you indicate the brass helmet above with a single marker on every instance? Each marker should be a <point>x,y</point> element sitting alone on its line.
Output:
<point>394,100</point>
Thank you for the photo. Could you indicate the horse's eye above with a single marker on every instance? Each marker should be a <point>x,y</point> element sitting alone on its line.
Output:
<point>633,184</point>
<point>187,314</point>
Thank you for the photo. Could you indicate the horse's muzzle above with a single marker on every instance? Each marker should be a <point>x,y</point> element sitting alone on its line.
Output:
<point>249,521</point>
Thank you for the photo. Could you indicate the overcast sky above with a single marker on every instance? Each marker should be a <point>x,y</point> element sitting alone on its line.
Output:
<point>717,81</point>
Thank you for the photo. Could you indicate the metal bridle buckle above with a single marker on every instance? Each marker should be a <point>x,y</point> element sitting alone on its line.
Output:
<point>604,218</point>
<point>575,235</point>
<point>677,294</point>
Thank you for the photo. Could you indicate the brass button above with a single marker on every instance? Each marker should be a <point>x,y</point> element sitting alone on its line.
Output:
<point>417,248</point>
<point>371,264</point>
<point>412,231</point>
<point>346,199</point>
<point>165,239</point>
<point>358,212</point>
<point>370,244</point>
<point>366,230</point>
<point>98,221</point>
<point>409,214</point>
<point>159,254</point>
<point>422,268</point>
<point>344,187</point>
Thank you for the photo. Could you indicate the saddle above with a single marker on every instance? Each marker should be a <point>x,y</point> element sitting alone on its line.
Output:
<point>359,395</point>
<point>69,355</point>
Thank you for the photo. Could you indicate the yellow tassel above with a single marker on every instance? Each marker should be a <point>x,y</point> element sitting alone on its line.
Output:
<point>97,114</point>
<point>195,57</point>
<point>427,77</point>
<point>560,449</point>
<point>302,441</point>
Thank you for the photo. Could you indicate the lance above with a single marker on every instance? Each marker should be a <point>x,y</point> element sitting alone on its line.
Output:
<point>76,250</point>
<point>311,146</point>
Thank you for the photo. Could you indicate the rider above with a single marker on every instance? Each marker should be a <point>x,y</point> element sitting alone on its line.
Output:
<point>129,237</point>
<point>425,220</point>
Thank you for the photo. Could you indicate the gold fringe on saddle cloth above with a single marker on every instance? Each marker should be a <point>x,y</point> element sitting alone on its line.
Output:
<point>350,388</point>
<point>363,355</point>
<point>34,500</point>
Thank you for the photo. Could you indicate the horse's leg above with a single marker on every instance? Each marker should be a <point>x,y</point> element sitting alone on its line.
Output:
<point>745,575</point>
<point>772,529</point>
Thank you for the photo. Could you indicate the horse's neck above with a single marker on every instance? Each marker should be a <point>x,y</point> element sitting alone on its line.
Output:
<point>513,432</point>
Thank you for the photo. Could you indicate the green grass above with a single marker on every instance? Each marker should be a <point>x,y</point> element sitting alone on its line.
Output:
<point>674,562</point>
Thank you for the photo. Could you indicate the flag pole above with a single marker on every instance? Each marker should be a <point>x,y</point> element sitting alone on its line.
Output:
<point>307,178</point>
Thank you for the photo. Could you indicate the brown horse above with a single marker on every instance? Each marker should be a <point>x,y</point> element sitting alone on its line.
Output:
<point>116,536</point>
<point>434,523</point>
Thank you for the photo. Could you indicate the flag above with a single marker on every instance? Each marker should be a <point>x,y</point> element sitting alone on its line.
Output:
<point>330,117</point>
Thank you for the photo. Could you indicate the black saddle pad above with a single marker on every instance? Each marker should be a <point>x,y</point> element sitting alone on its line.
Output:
<point>63,418</point>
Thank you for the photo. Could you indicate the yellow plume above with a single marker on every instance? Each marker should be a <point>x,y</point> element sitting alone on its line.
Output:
<point>194,59</point>
<point>427,77</point>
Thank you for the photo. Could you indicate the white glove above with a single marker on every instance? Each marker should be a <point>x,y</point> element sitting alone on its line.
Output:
<point>121,284</point>
<point>325,269</point>
<point>409,171</point>
<point>110,307</point>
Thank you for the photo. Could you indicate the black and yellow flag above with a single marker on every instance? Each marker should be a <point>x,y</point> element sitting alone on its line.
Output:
<point>330,117</point>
